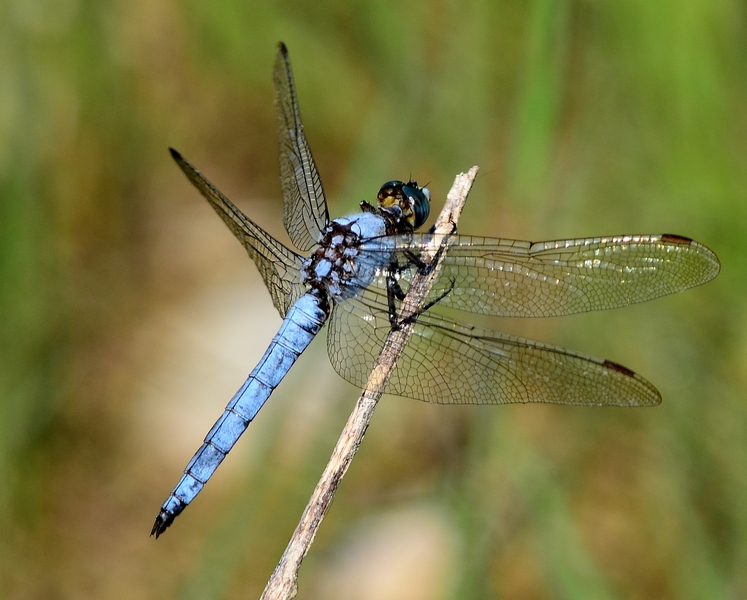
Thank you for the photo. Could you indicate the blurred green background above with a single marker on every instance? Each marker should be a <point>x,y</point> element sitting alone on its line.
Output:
<point>129,314</point>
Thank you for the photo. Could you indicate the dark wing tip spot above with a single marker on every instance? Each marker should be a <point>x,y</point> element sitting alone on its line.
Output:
<point>618,367</point>
<point>283,48</point>
<point>672,238</point>
<point>175,155</point>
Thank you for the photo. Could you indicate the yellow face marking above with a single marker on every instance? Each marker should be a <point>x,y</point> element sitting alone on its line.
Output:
<point>392,196</point>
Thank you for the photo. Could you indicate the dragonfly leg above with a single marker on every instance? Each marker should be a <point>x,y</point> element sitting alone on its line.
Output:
<point>428,305</point>
<point>415,260</point>
<point>424,267</point>
<point>393,291</point>
<point>397,323</point>
<point>437,257</point>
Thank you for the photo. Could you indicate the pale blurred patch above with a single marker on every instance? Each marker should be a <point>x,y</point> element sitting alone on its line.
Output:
<point>196,346</point>
<point>199,353</point>
<point>405,554</point>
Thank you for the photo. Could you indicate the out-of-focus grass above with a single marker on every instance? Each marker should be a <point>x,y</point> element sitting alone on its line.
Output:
<point>586,118</point>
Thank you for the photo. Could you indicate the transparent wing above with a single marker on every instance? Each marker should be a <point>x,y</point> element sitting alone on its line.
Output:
<point>511,278</point>
<point>279,266</point>
<point>305,211</point>
<point>447,362</point>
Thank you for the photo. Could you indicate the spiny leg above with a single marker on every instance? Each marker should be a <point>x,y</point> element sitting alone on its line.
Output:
<point>393,291</point>
<point>412,318</point>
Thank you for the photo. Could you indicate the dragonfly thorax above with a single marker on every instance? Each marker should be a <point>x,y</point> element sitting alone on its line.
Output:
<point>332,269</point>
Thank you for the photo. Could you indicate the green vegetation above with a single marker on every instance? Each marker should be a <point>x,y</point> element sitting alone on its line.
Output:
<point>121,294</point>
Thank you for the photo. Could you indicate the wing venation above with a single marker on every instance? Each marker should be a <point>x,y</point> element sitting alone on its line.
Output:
<point>279,266</point>
<point>305,211</point>
<point>448,362</point>
<point>513,278</point>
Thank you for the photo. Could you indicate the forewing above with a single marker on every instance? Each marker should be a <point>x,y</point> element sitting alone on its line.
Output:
<point>447,362</point>
<point>279,266</point>
<point>511,278</point>
<point>305,211</point>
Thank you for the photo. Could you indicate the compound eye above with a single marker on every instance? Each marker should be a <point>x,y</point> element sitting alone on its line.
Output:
<point>420,202</point>
<point>413,200</point>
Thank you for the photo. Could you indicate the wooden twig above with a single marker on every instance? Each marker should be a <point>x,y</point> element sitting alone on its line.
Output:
<point>282,583</point>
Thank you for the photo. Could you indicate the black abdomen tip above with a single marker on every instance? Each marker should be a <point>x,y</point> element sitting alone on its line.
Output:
<point>163,520</point>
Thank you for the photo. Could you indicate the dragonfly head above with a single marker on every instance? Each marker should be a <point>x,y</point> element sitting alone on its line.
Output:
<point>415,201</point>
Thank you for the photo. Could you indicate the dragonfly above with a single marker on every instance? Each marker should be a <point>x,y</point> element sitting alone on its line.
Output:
<point>354,273</point>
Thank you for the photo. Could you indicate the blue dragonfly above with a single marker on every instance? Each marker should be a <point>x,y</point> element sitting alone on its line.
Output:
<point>358,271</point>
